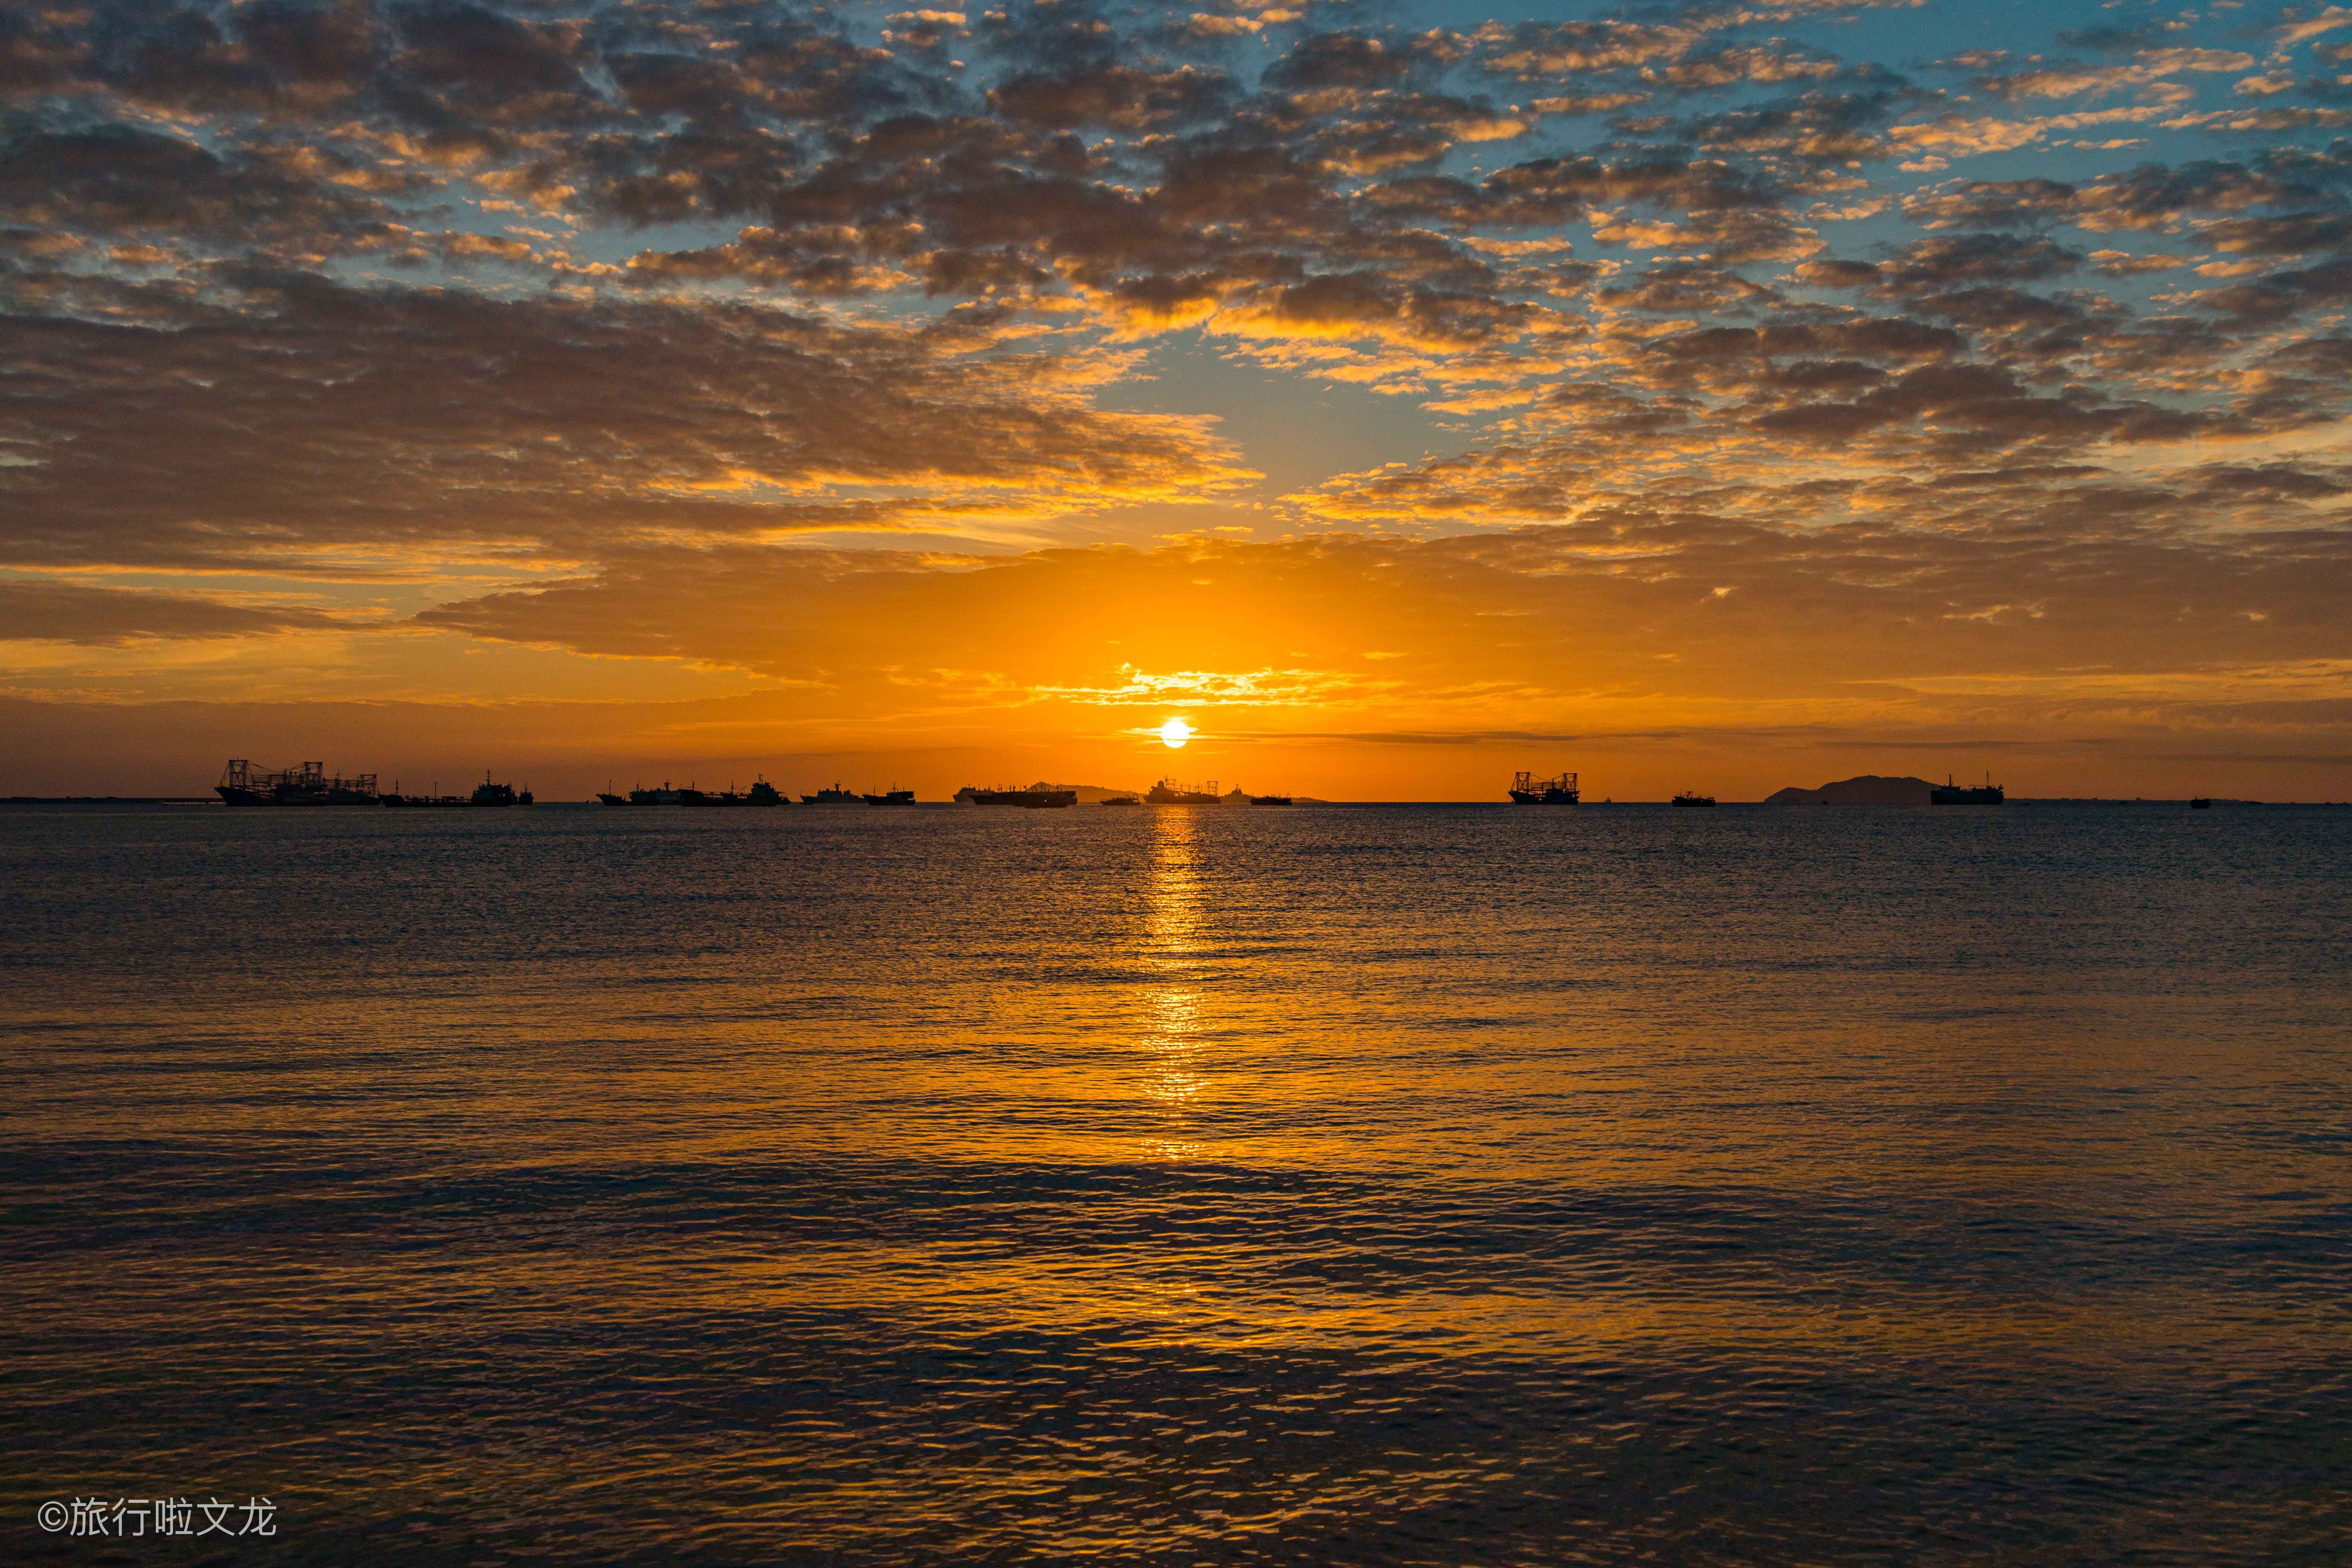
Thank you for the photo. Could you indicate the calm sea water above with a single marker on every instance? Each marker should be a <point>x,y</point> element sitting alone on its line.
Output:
<point>1381,1186</point>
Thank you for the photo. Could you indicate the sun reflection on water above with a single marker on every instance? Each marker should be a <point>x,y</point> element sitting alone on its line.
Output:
<point>1171,1043</point>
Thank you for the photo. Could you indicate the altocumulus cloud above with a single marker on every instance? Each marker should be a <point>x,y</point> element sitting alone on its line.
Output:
<point>2040,341</point>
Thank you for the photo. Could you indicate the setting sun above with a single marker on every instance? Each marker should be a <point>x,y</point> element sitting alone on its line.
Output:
<point>1175,732</point>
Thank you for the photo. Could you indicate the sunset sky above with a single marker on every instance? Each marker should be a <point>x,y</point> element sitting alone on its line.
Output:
<point>1719,396</point>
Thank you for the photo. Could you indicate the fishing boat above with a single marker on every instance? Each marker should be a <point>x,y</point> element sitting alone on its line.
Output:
<point>1689,798</point>
<point>836,795</point>
<point>1528,790</point>
<point>1119,800</point>
<point>892,796</point>
<point>242,784</point>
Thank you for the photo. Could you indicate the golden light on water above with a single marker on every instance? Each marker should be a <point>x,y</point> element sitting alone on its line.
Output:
<point>1174,1049</point>
<point>1175,732</point>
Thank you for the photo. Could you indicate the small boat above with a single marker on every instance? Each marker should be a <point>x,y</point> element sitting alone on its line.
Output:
<point>2200,803</point>
<point>1688,798</point>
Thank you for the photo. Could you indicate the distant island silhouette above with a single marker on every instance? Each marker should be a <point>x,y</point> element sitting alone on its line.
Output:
<point>1870,789</point>
<point>1878,789</point>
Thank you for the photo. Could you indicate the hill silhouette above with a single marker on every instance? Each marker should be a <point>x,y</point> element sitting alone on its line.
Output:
<point>1870,789</point>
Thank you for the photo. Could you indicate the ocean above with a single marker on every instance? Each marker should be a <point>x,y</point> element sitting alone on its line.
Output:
<point>1411,1184</point>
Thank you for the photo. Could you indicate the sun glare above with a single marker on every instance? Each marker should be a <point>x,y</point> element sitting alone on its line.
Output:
<point>1175,732</point>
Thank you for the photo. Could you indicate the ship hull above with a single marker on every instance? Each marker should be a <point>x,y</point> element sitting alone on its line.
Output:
<point>1028,799</point>
<point>231,794</point>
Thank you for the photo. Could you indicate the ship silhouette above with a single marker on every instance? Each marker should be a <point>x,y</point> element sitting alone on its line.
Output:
<point>1528,790</point>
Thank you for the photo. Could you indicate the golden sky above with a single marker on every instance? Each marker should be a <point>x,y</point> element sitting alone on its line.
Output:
<point>1720,396</point>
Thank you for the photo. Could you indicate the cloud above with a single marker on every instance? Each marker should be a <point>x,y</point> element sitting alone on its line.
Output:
<point>1839,622</point>
<point>50,611</point>
<point>641,301</point>
<point>409,424</point>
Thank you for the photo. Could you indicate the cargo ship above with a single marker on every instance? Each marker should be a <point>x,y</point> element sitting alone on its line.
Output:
<point>485,794</point>
<point>1167,792</point>
<point>488,794</point>
<point>665,795</point>
<point>762,792</point>
<point>426,802</point>
<point>1528,790</point>
<point>1689,798</point>
<point>241,784</point>
<point>1949,794</point>
<point>1037,796</point>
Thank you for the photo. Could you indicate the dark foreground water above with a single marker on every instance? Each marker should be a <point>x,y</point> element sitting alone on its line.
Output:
<point>1394,1185</point>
